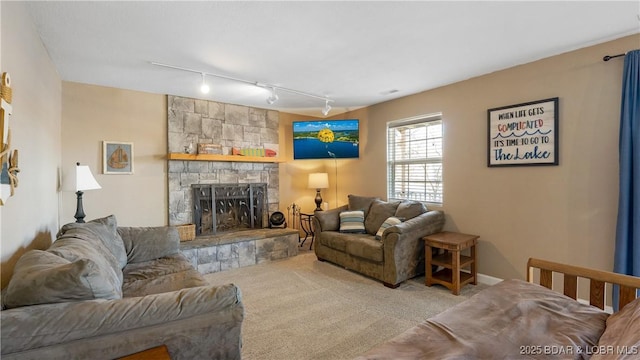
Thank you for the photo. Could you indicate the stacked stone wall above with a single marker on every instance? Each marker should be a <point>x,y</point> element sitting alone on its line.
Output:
<point>194,121</point>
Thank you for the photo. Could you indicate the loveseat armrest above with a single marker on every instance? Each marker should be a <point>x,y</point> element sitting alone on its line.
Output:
<point>418,227</point>
<point>149,243</point>
<point>32,327</point>
<point>404,248</point>
<point>328,220</point>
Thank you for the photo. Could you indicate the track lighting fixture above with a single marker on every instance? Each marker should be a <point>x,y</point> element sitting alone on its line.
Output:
<point>273,97</point>
<point>327,108</point>
<point>204,88</point>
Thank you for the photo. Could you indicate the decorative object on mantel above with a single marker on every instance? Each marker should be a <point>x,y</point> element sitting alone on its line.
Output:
<point>84,181</point>
<point>523,134</point>
<point>188,149</point>
<point>318,181</point>
<point>254,152</point>
<point>209,149</point>
<point>8,158</point>
<point>117,157</point>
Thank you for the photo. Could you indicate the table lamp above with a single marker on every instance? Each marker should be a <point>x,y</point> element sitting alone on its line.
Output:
<point>84,181</point>
<point>318,181</point>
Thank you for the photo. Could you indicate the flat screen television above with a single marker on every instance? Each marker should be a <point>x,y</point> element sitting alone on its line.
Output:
<point>326,139</point>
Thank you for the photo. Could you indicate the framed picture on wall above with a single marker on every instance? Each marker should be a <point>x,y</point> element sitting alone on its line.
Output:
<point>523,134</point>
<point>117,157</point>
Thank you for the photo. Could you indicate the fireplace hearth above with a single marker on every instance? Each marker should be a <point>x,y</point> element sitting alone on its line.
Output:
<point>219,208</point>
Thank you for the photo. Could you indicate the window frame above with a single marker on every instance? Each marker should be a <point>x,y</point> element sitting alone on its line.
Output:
<point>392,160</point>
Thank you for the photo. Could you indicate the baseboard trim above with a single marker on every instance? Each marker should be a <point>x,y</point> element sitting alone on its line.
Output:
<point>488,280</point>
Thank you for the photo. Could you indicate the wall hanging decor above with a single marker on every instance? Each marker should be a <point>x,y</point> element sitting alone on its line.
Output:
<point>523,134</point>
<point>117,157</point>
<point>8,157</point>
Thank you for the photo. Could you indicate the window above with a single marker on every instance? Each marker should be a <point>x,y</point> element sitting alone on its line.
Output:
<point>414,159</point>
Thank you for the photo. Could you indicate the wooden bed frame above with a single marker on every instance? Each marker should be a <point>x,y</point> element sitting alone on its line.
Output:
<point>628,285</point>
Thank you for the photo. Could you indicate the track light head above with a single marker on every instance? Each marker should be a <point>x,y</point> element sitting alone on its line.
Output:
<point>327,108</point>
<point>204,88</point>
<point>273,97</point>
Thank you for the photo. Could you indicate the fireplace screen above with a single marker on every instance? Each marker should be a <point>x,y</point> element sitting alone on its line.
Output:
<point>228,207</point>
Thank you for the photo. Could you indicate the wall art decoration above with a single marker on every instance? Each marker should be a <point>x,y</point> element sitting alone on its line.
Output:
<point>523,134</point>
<point>117,157</point>
<point>8,158</point>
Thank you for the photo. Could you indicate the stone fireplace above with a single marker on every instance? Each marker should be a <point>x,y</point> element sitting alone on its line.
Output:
<point>194,121</point>
<point>220,208</point>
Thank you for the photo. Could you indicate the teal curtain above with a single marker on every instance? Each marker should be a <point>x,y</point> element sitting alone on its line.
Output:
<point>627,250</point>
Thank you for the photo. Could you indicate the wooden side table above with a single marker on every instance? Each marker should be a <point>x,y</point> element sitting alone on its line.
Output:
<point>450,259</point>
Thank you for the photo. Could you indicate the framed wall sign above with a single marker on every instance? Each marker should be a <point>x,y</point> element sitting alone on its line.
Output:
<point>524,134</point>
<point>117,157</point>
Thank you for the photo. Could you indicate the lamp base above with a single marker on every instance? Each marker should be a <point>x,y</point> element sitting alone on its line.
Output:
<point>79,210</point>
<point>318,200</point>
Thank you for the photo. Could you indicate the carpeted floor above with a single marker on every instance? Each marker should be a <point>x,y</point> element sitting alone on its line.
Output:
<point>300,308</point>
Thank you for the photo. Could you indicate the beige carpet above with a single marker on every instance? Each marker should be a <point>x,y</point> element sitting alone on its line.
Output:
<point>300,308</point>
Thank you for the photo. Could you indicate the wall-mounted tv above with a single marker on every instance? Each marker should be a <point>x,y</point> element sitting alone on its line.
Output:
<point>326,139</point>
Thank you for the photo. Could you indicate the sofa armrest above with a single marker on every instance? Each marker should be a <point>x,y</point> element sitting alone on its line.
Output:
<point>149,243</point>
<point>328,220</point>
<point>418,227</point>
<point>404,248</point>
<point>32,327</point>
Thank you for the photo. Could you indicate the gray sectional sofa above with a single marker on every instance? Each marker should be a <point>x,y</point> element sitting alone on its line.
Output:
<point>396,256</point>
<point>102,291</point>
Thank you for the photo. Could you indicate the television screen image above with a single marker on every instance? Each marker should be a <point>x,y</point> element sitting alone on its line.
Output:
<point>326,139</point>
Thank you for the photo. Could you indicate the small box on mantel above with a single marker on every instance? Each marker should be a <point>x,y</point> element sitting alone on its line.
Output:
<point>187,232</point>
<point>210,149</point>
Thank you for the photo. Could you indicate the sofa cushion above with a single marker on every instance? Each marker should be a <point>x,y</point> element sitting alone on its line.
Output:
<point>156,276</point>
<point>42,277</point>
<point>391,221</point>
<point>378,213</point>
<point>149,243</point>
<point>366,247</point>
<point>363,203</point>
<point>105,230</point>
<point>75,245</point>
<point>622,332</point>
<point>352,221</point>
<point>408,209</point>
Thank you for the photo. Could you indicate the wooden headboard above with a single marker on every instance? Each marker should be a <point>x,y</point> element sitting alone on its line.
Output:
<point>628,285</point>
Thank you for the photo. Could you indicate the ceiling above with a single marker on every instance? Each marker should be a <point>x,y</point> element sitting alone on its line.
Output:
<point>355,53</point>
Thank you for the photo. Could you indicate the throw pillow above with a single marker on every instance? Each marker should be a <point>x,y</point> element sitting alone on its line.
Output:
<point>352,221</point>
<point>41,277</point>
<point>106,230</point>
<point>378,213</point>
<point>149,243</point>
<point>363,203</point>
<point>391,221</point>
<point>622,331</point>
<point>409,209</point>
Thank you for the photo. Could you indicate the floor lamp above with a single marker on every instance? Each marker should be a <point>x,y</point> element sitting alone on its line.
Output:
<point>318,181</point>
<point>84,181</point>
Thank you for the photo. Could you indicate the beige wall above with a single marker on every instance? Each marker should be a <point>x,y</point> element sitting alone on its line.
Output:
<point>30,217</point>
<point>91,114</point>
<point>565,213</point>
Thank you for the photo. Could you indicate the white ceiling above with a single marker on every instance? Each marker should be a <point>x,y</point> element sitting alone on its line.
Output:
<point>355,53</point>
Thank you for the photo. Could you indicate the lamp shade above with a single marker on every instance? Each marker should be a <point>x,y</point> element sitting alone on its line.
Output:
<point>318,181</point>
<point>84,179</point>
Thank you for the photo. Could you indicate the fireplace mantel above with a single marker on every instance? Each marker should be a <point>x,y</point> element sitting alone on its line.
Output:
<point>216,157</point>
